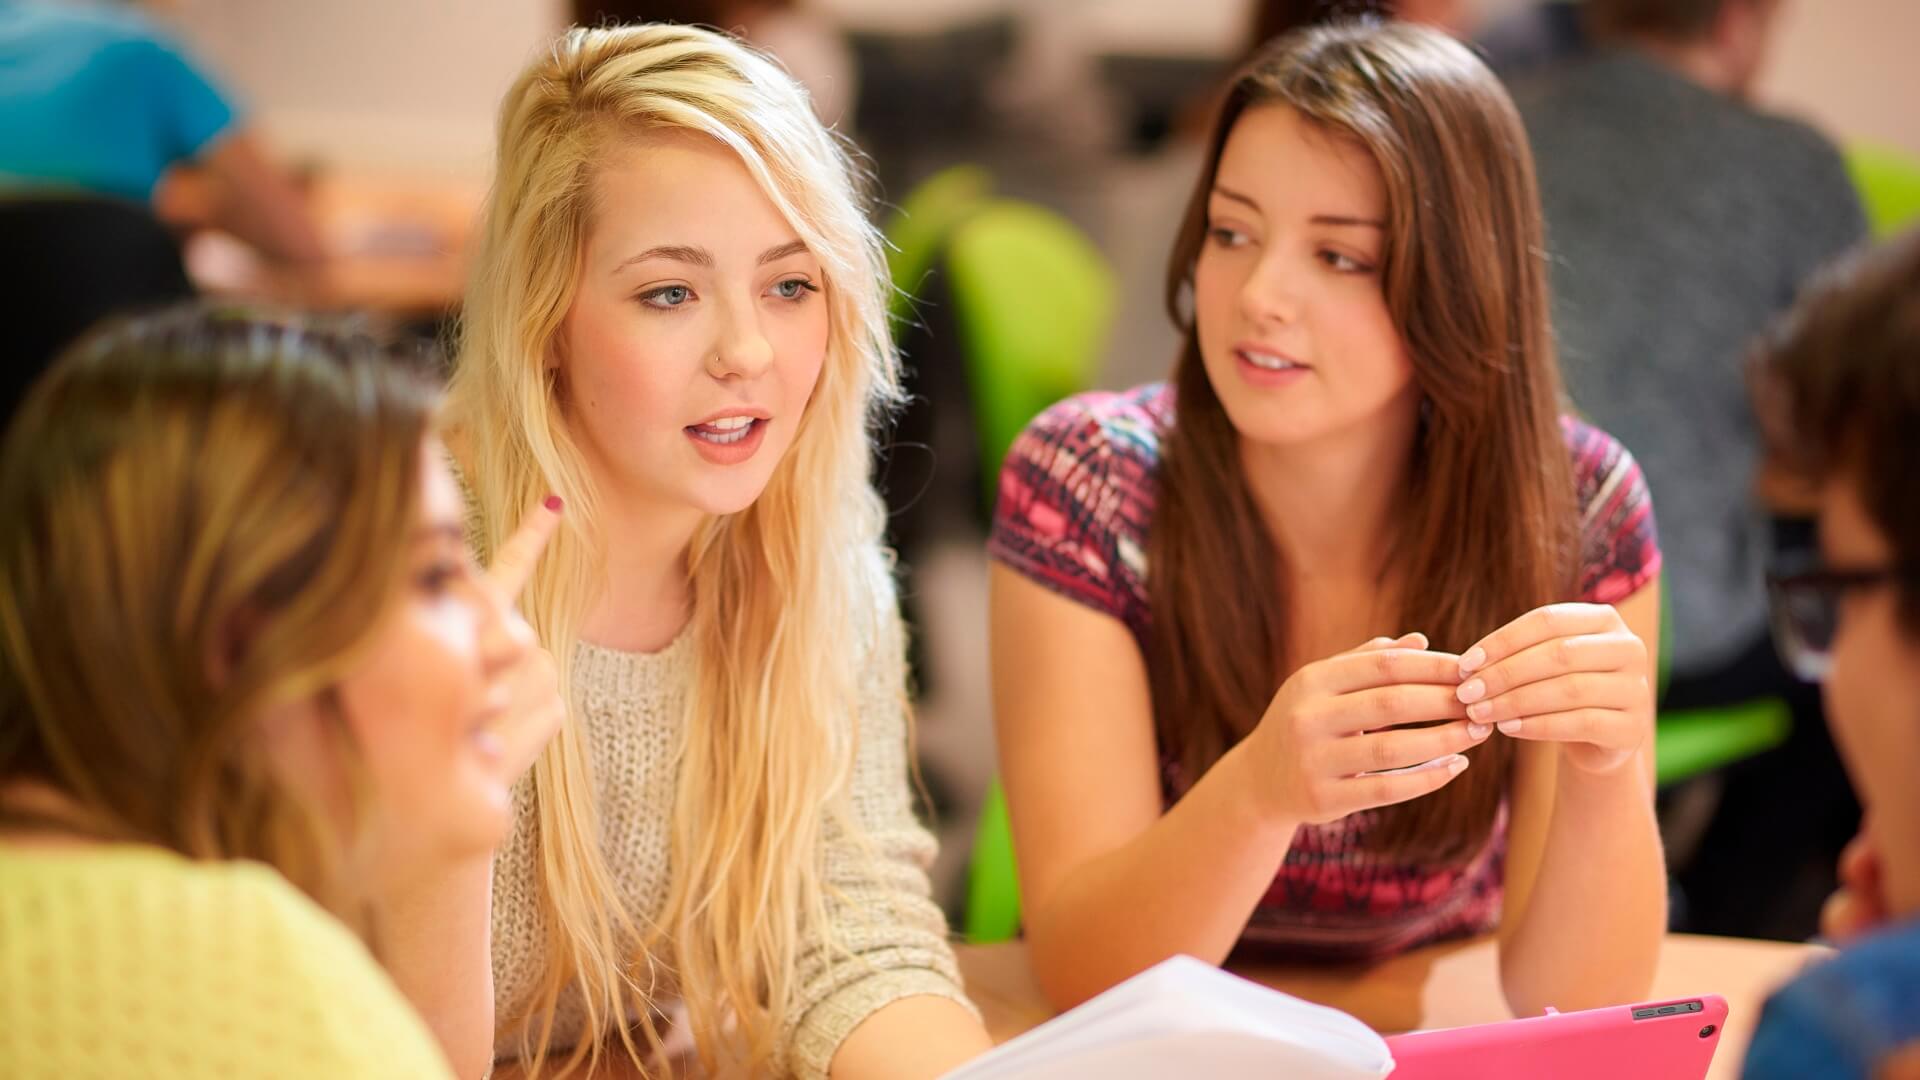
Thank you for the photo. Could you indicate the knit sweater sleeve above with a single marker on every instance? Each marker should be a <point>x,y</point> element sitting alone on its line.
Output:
<point>887,940</point>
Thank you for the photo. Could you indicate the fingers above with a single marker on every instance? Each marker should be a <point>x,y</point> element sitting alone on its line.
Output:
<point>1619,651</point>
<point>1385,789</point>
<point>1848,915</point>
<point>1579,691</point>
<point>1601,727</point>
<point>513,564</point>
<point>1390,665</point>
<point>1414,640</point>
<point>1540,624</point>
<point>1385,707</point>
<point>1860,863</point>
<point>1384,751</point>
<point>1858,906</point>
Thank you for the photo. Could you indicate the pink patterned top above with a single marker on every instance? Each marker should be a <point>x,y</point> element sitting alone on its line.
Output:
<point>1077,494</point>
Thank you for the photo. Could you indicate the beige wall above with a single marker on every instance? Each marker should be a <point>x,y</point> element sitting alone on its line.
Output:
<point>414,83</point>
<point>406,84</point>
<point>1851,67</point>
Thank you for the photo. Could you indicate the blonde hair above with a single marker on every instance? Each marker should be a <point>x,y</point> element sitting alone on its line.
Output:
<point>775,588</point>
<point>202,516</point>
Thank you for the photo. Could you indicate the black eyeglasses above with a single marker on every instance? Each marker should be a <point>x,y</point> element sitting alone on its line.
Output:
<point>1804,609</point>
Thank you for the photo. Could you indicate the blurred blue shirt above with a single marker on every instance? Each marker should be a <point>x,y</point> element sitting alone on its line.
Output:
<point>98,99</point>
<point>1844,1017</point>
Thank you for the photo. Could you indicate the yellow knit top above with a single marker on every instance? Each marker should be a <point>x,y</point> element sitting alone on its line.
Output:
<point>131,961</point>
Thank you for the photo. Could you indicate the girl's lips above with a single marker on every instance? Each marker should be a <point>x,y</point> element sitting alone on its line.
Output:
<point>728,447</point>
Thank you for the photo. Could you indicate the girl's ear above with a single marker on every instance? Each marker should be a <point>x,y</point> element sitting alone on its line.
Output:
<point>229,646</point>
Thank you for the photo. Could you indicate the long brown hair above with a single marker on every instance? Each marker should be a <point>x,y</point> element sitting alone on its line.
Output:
<point>202,516</point>
<point>1488,526</point>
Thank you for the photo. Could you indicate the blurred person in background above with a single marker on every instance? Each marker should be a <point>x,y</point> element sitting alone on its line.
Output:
<point>251,690</point>
<point>804,41</point>
<point>1535,36</point>
<point>1272,18</point>
<point>1680,220</point>
<point>97,99</point>
<point>107,128</point>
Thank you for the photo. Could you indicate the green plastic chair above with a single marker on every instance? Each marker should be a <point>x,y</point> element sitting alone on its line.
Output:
<point>918,230</point>
<point>1033,298</point>
<point>993,878</point>
<point>1687,743</point>
<point>1034,302</point>
<point>1693,742</point>
<point>1889,184</point>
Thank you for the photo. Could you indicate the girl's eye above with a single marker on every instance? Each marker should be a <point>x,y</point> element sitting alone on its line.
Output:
<point>667,297</point>
<point>794,288</point>
<point>1225,237</point>
<point>1345,264</point>
<point>439,577</point>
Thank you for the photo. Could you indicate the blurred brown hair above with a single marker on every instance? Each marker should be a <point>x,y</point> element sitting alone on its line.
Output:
<point>202,517</point>
<point>1668,20</point>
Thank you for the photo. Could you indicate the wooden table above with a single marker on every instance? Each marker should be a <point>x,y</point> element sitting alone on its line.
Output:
<point>397,245</point>
<point>1437,987</point>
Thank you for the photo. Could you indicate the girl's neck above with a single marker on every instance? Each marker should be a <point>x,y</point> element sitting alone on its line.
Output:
<point>645,596</point>
<point>1331,505</point>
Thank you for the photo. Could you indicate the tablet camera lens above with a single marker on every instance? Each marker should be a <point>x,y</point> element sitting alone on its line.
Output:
<point>1707,1032</point>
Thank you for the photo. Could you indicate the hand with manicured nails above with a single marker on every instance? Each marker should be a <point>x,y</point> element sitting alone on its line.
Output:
<point>1572,674</point>
<point>1331,743</point>
<point>535,707</point>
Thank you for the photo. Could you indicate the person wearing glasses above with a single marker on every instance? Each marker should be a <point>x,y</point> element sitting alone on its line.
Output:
<point>1838,392</point>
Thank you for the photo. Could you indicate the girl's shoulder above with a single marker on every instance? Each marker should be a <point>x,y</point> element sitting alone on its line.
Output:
<point>1619,542</point>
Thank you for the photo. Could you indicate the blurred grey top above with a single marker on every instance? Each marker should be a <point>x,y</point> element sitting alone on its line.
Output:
<point>1680,221</point>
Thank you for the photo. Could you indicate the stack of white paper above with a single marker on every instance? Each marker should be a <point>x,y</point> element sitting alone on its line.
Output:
<point>1185,1018</point>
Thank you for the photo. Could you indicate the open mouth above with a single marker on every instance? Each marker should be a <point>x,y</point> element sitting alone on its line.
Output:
<point>484,736</point>
<point>726,431</point>
<point>1267,361</point>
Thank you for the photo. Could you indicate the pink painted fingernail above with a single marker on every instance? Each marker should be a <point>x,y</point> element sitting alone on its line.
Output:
<point>553,503</point>
<point>1509,727</point>
<point>1473,660</point>
<point>1471,691</point>
<point>1479,711</point>
<point>1479,731</point>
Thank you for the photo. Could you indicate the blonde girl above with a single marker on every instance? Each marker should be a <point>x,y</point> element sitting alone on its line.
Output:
<point>677,323</point>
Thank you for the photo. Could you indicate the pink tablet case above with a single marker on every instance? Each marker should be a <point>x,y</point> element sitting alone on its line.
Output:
<point>1665,1040</point>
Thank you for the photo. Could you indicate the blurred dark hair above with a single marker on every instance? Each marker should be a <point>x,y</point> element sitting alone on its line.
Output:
<point>1838,389</point>
<point>1272,18</point>
<point>684,12</point>
<point>1671,20</point>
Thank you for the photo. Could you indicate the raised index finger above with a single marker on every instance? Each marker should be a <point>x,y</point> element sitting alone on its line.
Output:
<point>515,560</point>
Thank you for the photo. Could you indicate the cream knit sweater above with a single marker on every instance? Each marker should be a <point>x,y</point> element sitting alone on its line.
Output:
<point>631,712</point>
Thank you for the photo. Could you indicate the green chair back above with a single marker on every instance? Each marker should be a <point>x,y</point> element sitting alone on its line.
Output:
<point>993,878</point>
<point>1692,742</point>
<point>1889,184</point>
<point>1034,301</point>
<point>917,232</point>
